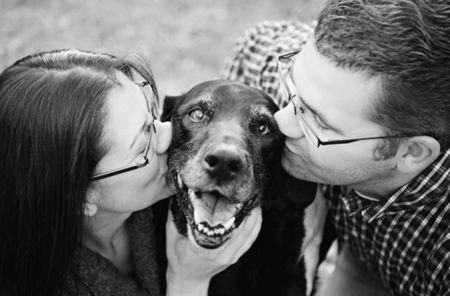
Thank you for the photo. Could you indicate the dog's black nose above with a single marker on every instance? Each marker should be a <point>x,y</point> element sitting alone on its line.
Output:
<point>223,164</point>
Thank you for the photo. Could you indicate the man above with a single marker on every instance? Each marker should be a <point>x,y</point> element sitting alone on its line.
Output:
<point>367,107</point>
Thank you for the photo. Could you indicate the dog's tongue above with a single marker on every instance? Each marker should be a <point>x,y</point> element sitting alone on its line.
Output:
<point>212,209</point>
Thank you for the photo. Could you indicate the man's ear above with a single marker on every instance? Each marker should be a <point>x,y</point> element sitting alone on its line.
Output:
<point>169,104</point>
<point>417,153</point>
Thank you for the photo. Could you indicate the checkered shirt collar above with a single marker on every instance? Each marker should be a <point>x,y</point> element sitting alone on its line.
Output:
<point>433,182</point>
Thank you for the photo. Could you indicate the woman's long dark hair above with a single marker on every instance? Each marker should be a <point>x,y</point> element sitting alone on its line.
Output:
<point>51,121</point>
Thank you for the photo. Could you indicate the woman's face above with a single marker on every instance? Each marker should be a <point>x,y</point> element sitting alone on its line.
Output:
<point>126,132</point>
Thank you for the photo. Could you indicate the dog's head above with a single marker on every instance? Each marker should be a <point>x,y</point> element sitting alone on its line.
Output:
<point>225,142</point>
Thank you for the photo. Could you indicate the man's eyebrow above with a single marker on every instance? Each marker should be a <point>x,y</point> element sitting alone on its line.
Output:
<point>330,126</point>
<point>311,109</point>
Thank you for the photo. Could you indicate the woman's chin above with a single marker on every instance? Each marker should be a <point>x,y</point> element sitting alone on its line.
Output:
<point>166,192</point>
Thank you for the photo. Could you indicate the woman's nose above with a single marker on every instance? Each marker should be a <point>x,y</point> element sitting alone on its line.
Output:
<point>287,122</point>
<point>164,134</point>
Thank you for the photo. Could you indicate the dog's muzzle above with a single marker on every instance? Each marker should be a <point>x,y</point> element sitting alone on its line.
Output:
<point>223,163</point>
<point>211,215</point>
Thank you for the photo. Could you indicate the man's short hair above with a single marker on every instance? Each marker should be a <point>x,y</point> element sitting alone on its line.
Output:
<point>406,44</point>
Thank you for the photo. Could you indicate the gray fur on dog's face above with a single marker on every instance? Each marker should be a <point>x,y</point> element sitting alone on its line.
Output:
<point>225,140</point>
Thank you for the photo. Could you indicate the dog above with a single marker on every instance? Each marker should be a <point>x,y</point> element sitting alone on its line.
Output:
<point>225,160</point>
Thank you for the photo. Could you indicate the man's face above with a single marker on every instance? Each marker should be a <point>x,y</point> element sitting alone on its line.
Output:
<point>338,102</point>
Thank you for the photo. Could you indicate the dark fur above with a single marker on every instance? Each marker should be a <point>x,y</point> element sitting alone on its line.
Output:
<point>271,266</point>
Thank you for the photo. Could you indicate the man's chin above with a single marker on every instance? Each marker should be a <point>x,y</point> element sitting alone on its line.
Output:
<point>298,169</point>
<point>294,168</point>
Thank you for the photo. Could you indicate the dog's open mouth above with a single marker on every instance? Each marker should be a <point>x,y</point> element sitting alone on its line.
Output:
<point>211,215</point>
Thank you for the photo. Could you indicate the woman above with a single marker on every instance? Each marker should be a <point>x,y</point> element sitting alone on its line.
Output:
<point>83,156</point>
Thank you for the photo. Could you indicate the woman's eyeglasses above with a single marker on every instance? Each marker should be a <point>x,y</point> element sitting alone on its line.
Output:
<point>149,151</point>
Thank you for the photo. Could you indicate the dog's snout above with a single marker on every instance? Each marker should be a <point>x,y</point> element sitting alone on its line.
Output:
<point>223,164</point>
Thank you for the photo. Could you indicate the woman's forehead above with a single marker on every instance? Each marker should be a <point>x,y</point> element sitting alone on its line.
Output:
<point>126,111</point>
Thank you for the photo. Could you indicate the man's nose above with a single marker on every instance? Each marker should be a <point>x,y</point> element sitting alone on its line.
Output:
<point>287,122</point>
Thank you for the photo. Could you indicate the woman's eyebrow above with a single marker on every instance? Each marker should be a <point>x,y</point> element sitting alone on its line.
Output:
<point>142,128</point>
<point>148,120</point>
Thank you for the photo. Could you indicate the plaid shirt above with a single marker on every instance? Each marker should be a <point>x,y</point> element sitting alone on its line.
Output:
<point>405,238</point>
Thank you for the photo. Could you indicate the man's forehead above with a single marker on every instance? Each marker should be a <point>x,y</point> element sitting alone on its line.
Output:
<point>336,93</point>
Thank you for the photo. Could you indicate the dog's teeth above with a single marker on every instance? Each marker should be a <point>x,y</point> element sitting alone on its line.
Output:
<point>219,231</point>
<point>210,231</point>
<point>239,206</point>
<point>180,181</point>
<point>229,223</point>
<point>196,217</point>
<point>191,193</point>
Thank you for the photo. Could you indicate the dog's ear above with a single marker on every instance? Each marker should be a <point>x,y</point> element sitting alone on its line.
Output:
<point>169,104</point>
<point>271,101</point>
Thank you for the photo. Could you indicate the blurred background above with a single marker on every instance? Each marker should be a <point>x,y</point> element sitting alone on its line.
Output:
<point>186,41</point>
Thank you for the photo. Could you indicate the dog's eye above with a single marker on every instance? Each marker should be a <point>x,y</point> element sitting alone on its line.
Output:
<point>197,115</point>
<point>264,129</point>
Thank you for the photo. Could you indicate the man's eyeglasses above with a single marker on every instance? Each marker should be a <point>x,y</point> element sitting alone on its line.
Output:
<point>304,115</point>
<point>149,151</point>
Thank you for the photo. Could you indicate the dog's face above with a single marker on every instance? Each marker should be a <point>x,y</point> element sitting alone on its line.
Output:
<point>225,141</point>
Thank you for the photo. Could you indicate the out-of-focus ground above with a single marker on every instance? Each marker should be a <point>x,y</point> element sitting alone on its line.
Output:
<point>187,41</point>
